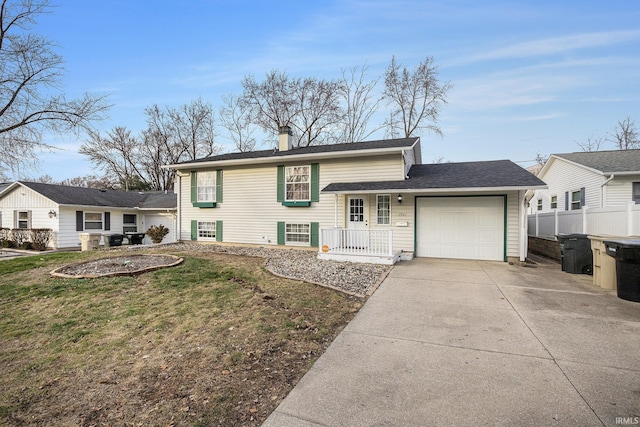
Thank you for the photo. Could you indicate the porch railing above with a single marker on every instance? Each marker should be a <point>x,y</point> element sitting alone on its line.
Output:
<point>356,242</point>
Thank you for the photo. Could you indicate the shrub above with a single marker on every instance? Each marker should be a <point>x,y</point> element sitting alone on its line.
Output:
<point>6,238</point>
<point>40,238</point>
<point>21,237</point>
<point>157,233</point>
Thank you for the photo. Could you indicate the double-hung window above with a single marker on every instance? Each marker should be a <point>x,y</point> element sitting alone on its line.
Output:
<point>129,223</point>
<point>539,204</point>
<point>575,200</point>
<point>207,230</point>
<point>554,202</point>
<point>297,183</point>
<point>383,203</point>
<point>206,187</point>
<point>93,221</point>
<point>635,188</point>
<point>297,233</point>
<point>23,219</point>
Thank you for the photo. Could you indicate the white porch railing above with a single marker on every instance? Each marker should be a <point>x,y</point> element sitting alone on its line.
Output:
<point>369,242</point>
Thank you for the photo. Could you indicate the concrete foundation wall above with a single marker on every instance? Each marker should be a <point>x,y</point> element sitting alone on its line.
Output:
<point>547,247</point>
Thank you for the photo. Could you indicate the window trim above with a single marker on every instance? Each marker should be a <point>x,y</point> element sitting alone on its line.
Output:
<point>307,182</point>
<point>129,225</point>
<point>26,220</point>
<point>378,210</point>
<point>572,202</point>
<point>298,233</point>
<point>211,187</point>
<point>206,238</point>
<point>554,204</point>
<point>635,188</point>
<point>85,221</point>
<point>539,204</point>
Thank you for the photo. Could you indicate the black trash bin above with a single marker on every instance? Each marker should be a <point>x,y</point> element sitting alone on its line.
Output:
<point>115,239</point>
<point>627,256</point>
<point>135,238</point>
<point>577,257</point>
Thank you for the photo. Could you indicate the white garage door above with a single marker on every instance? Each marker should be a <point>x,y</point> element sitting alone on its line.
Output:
<point>166,220</point>
<point>460,227</point>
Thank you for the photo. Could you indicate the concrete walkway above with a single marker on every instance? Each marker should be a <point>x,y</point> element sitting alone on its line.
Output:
<point>445,342</point>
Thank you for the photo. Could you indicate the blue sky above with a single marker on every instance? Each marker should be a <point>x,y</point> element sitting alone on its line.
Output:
<point>528,77</point>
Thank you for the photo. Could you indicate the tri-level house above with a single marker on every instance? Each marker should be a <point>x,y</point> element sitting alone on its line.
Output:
<point>370,201</point>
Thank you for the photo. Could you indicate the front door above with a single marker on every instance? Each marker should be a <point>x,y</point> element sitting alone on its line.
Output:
<point>357,213</point>
<point>357,223</point>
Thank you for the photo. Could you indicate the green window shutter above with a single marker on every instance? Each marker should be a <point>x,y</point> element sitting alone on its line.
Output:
<point>194,187</point>
<point>219,186</point>
<point>194,229</point>
<point>281,183</point>
<point>281,233</point>
<point>218,231</point>
<point>315,231</point>
<point>315,182</point>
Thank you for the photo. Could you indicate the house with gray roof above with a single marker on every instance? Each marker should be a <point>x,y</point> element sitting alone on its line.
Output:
<point>588,180</point>
<point>69,211</point>
<point>370,201</point>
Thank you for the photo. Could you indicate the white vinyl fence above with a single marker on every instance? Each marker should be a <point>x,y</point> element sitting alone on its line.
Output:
<point>616,221</point>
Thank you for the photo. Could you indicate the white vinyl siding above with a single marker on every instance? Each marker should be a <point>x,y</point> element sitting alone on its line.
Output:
<point>250,211</point>
<point>563,177</point>
<point>619,191</point>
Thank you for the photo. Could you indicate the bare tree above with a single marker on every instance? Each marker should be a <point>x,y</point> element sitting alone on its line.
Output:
<point>593,143</point>
<point>625,135</point>
<point>415,96</point>
<point>235,117</point>
<point>193,128</point>
<point>541,159</point>
<point>360,104</point>
<point>118,154</point>
<point>272,102</point>
<point>318,110</point>
<point>30,100</point>
<point>91,181</point>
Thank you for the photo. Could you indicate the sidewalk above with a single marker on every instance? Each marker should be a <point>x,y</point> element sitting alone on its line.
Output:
<point>446,342</point>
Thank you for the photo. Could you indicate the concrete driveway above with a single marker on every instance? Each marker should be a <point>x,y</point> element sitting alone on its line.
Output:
<point>447,342</point>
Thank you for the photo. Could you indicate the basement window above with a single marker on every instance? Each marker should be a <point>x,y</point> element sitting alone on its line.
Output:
<point>297,233</point>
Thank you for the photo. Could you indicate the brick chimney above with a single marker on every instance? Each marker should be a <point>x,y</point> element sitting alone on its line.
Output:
<point>284,138</point>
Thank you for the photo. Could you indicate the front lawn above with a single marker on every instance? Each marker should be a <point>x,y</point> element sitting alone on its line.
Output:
<point>215,341</point>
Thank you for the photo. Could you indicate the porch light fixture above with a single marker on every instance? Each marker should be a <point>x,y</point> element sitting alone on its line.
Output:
<point>52,213</point>
<point>399,198</point>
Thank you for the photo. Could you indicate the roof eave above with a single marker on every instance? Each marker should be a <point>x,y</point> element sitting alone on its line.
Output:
<point>439,190</point>
<point>292,157</point>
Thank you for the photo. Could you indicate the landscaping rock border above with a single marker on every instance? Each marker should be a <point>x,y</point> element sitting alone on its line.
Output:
<point>116,266</point>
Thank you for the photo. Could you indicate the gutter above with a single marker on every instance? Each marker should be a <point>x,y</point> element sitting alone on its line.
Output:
<point>602,189</point>
<point>437,190</point>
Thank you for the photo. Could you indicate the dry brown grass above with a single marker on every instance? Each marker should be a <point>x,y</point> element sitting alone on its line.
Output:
<point>215,341</point>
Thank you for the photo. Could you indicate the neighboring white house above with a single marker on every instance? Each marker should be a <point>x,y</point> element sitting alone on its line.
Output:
<point>368,201</point>
<point>69,211</point>
<point>602,186</point>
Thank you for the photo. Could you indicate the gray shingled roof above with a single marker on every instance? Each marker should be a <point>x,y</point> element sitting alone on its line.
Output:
<point>607,161</point>
<point>66,195</point>
<point>487,174</point>
<point>315,149</point>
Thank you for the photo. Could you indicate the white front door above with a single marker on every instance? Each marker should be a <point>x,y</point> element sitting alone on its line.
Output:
<point>357,218</point>
<point>357,236</point>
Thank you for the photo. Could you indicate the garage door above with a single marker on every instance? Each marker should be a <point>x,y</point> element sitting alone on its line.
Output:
<point>460,227</point>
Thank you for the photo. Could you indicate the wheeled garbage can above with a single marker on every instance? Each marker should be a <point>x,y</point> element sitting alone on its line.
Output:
<point>577,257</point>
<point>627,256</point>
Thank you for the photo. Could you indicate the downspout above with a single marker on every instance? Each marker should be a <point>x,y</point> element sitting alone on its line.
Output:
<point>602,189</point>
<point>524,225</point>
